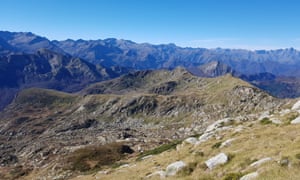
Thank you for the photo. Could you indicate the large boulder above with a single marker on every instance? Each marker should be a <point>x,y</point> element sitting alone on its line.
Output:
<point>173,168</point>
<point>216,160</point>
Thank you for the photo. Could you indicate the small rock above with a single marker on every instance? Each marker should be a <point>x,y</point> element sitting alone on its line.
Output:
<point>191,140</point>
<point>216,160</point>
<point>265,114</point>
<point>147,157</point>
<point>173,168</point>
<point>227,143</point>
<point>296,106</point>
<point>161,174</point>
<point>124,166</point>
<point>260,162</point>
<point>238,129</point>
<point>284,112</point>
<point>296,121</point>
<point>284,162</point>
<point>250,176</point>
<point>275,121</point>
<point>204,137</point>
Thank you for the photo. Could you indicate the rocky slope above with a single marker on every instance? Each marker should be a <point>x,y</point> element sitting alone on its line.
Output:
<point>141,109</point>
<point>264,148</point>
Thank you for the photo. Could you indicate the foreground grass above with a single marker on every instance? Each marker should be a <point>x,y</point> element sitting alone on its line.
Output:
<point>255,142</point>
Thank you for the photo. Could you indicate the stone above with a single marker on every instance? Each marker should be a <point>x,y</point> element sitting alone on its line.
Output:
<point>275,121</point>
<point>296,121</point>
<point>265,114</point>
<point>161,174</point>
<point>218,124</point>
<point>227,143</point>
<point>250,176</point>
<point>191,140</point>
<point>204,137</point>
<point>296,106</point>
<point>173,168</point>
<point>260,162</point>
<point>216,160</point>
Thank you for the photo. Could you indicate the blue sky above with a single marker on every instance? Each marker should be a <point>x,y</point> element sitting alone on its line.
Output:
<point>248,24</point>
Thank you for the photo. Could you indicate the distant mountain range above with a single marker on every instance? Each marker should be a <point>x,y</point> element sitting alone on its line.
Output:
<point>29,60</point>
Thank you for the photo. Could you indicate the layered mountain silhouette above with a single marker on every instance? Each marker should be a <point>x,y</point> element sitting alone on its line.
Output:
<point>29,60</point>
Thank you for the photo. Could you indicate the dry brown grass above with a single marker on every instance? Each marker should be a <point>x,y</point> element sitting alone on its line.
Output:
<point>253,143</point>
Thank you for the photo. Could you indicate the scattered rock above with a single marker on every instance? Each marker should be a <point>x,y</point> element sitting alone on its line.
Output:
<point>296,121</point>
<point>265,114</point>
<point>216,160</point>
<point>250,176</point>
<point>227,143</point>
<point>284,112</point>
<point>191,140</point>
<point>161,174</point>
<point>173,168</point>
<point>284,162</point>
<point>218,124</point>
<point>204,137</point>
<point>296,106</point>
<point>275,121</point>
<point>260,162</point>
<point>147,157</point>
<point>238,129</point>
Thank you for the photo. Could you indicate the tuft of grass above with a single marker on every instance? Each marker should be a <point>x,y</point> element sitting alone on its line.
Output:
<point>233,176</point>
<point>265,121</point>
<point>297,156</point>
<point>188,170</point>
<point>216,145</point>
<point>160,149</point>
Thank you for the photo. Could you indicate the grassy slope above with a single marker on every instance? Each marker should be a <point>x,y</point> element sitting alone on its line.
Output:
<point>256,141</point>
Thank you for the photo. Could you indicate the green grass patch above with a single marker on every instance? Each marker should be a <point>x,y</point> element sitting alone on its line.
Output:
<point>95,157</point>
<point>265,121</point>
<point>160,149</point>
<point>216,145</point>
<point>233,176</point>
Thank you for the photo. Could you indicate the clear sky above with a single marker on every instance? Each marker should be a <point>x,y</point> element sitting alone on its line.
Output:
<point>248,24</point>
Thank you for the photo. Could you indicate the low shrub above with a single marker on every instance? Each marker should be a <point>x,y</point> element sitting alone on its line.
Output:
<point>159,149</point>
<point>265,121</point>
<point>94,157</point>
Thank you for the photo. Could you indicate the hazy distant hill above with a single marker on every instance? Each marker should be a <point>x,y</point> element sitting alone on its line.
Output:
<point>146,56</point>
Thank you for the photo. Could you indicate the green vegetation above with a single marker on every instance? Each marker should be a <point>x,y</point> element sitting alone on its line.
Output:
<point>216,145</point>
<point>95,157</point>
<point>297,156</point>
<point>265,121</point>
<point>233,176</point>
<point>160,149</point>
<point>188,170</point>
